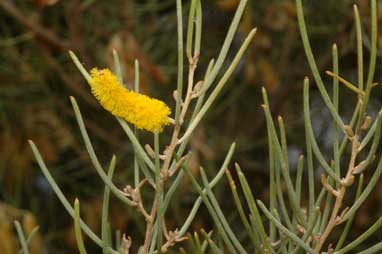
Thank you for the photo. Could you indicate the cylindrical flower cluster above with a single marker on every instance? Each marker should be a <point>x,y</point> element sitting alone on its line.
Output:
<point>140,110</point>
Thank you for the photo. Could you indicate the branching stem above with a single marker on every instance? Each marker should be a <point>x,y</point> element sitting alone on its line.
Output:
<point>335,216</point>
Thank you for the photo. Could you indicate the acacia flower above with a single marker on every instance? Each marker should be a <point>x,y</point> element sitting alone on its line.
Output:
<point>142,111</point>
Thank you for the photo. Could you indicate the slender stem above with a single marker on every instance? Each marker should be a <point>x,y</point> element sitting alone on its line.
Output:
<point>280,197</point>
<point>149,228</point>
<point>213,245</point>
<point>333,221</point>
<point>213,182</point>
<point>310,135</point>
<point>62,197</point>
<point>272,183</point>
<point>117,66</point>
<point>336,154</point>
<point>105,230</point>
<point>365,193</point>
<point>190,30</point>
<point>359,47</point>
<point>219,86</point>
<point>79,65</point>
<point>77,228</point>
<point>240,209</point>
<point>210,208</point>
<point>309,230</point>
<point>20,234</point>
<point>362,237</point>
<point>215,205</point>
<point>309,154</point>
<point>198,30</point>
<point>373,59</point>
<point>226,45</point>
<point>284,169</point>
<point>180,59</point>
<point>283,229</point>
<point>346,83</point>
<point>97,165</point>
<point>372,250</point>
<point>328,205</point>
<point>188,98</point>
<point>158,189</point>
<point>313,66</point>
<point>350,221</point>
<point>300,168</point>
<point>136,89</point>
<point>253,208</point>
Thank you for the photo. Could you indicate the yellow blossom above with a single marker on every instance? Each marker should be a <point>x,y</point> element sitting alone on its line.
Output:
<point>142,111</point>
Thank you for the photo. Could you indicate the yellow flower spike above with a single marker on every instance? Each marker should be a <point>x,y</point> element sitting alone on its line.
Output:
<point>142,111</point>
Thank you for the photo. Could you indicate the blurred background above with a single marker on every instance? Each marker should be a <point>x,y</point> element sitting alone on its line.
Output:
<point>37,77</point>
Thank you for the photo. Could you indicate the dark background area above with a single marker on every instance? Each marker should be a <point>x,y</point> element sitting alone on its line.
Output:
<point>37,77</point>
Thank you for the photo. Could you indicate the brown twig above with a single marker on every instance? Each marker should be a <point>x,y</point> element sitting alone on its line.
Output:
<point>126,244</point>
<point>135,195</point>
<point>178,165</point>
<point>348,180</point>
<point>327,186</point>
<point>151,152</point>
<point>164,227</point>
<point>173,238</point>
<point>149,227</point>
<point>169,152</point>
